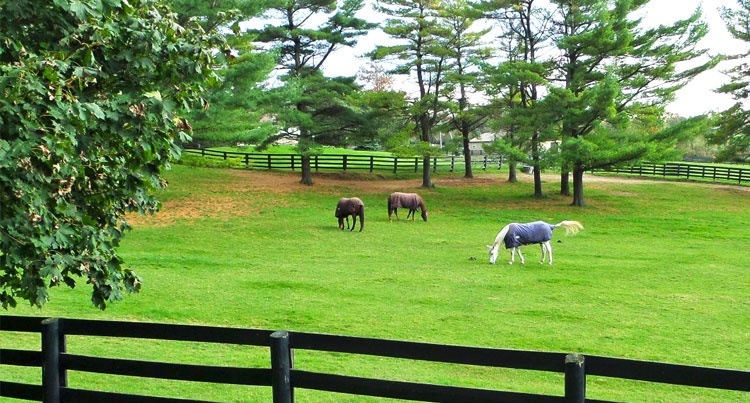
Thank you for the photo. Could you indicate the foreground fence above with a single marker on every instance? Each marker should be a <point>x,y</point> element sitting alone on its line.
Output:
<point>343,162</point>
<point>712,173</point>
<point>283,377</point>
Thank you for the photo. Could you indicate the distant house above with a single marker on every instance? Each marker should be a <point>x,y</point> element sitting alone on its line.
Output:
<point>475,144</point>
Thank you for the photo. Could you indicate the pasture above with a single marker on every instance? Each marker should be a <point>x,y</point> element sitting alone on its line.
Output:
<point>659,273</point>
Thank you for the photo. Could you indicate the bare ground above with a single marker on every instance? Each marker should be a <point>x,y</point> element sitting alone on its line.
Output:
<point>248,182</point>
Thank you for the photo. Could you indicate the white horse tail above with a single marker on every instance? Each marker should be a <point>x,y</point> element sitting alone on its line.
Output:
<point>571,227</point>
<point>501,235</point>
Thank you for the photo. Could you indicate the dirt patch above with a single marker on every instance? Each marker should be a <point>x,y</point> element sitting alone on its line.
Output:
<point>344,185</point>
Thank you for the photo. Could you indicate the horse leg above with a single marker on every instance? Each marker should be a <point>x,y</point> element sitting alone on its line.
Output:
<point>512,255</point>
<point>549,252</point>
<point>543,245</point>
<point>354,222</point>
<point>409,214</point>
<point>521,256</point>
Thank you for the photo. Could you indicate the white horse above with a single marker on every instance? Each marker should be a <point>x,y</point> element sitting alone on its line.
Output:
<point>515,235</point>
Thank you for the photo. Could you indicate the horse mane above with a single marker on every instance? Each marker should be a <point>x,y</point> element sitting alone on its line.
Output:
<point>501,235</point>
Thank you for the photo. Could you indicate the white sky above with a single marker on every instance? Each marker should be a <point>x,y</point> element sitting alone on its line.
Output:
<point>696,98</point>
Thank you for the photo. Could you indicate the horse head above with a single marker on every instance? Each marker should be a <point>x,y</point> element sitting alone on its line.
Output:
<point>494,250</point>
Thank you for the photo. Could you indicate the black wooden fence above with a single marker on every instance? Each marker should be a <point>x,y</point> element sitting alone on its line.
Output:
<point>283,377</point>
<point>343,162</point>
<point>714,173</point>
<point>451,163</point>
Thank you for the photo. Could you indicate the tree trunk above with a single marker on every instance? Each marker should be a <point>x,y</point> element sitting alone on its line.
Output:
<point>537,181</point>
<point>578,186</point>
<point>536,164</point>
<point>306,171</point>
<point>426,180</point>
<point>467,159</point>
<point>512,175</point>
<point>564,185</point>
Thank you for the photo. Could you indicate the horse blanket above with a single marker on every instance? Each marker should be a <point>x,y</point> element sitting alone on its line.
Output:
<point>349,206</point>
<point>527,234</point>
<point>412,201</point>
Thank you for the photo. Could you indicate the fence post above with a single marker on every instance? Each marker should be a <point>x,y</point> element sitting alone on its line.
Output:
<point>484,164</point>
<point>372,163</point>
<point>575,379</point>
<point>281,365</point>
<point>395,164</point>
<point>345,162</point>
<point>51,379</point>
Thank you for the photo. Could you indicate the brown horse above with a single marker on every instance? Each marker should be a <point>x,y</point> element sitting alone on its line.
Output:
<point>350,207</point>
<point>412,201</point>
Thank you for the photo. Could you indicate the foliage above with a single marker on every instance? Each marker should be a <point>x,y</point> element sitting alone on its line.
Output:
<point>615,72</point>
<point>92,93</point>
<point>418,54</point>
<point>516,83</point>
<point>465,50</point>
<point>733,132</point>
<point>234,112</point>
<point>308,106</point>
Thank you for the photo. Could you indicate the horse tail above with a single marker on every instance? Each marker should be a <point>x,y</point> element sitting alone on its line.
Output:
<point>501,235</point>
<point>571,227</point>
<point>361,217</point>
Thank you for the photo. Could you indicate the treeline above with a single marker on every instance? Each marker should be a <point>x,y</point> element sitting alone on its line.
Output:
<point>579,84</point>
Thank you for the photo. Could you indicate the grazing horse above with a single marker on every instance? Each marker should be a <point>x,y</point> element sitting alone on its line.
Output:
<point>412,201</point>
<point>515,235</point>
<point>350,207</point>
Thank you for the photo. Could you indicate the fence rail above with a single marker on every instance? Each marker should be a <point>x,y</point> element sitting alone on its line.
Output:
<point>283,377</point>
<point>714,173</point>
<point>451,163</point>
<point>342,162</point>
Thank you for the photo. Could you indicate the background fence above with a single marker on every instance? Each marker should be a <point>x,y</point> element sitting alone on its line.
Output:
<point>372,163</point>
<point>283,377</point>
<point>714,173</point>
<point>344,162</point>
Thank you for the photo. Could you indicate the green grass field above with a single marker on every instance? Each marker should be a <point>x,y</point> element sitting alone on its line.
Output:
<point>659,273</point>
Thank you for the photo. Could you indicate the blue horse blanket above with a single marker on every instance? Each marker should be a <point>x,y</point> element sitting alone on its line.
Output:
<point>527,234</point>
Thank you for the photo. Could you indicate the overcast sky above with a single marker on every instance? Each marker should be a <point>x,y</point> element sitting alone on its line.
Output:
<point>696,98</point>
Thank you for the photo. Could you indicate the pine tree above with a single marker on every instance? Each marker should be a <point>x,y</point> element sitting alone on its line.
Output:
<point>419,54</point>
<point>305,44</point>
<point>613,72</point>
<point>733,129</point>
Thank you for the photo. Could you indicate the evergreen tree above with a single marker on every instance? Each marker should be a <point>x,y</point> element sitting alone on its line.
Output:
<point>613,72</point>
<point>525,29</point>
<point>465,52</point>
<point>733,129</point>
<point>235,104</point>
<point>418,54</point>
<point>304,44</point>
